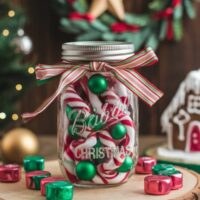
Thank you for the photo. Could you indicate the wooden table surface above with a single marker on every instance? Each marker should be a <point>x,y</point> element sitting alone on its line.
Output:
<point>132,190</point>
<point>127,191</point>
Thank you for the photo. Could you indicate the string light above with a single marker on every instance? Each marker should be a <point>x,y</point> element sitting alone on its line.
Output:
<point>15,117</point>
<point>2,115</point>
<point>20,32</point>
<point>31,70</point>
<point>5,32</point>
<point>18,87</point>
<point>11,13</point>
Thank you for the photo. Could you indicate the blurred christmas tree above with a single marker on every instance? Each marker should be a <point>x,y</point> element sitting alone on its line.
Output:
<point>15,75</point>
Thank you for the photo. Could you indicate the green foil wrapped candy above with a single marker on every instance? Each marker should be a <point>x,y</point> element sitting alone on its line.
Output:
<point>33,163</point>
<point>61,190</point>
<point>156,169</point>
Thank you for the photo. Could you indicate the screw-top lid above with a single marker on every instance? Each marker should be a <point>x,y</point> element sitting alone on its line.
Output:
<point>97,51</point>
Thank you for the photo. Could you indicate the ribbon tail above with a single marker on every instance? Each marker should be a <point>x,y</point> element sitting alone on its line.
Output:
<point>146,57</point>
<point>139,86</point>
<point>69,77</point>
<point>44,72</point>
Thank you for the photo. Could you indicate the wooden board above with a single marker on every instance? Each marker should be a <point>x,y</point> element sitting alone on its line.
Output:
<point>129,191</point>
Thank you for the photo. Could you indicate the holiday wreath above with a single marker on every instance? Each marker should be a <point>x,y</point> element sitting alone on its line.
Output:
<point>89,20</point>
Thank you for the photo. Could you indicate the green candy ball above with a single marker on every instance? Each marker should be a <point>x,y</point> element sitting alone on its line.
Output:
<point>98,156</point>
<point>72,114</point>
<point>85,170</point>
<point>127,165</point>
<point>73,132</point>
<point>97,84</point>
<point>94,122</point>
<point>118,131</point>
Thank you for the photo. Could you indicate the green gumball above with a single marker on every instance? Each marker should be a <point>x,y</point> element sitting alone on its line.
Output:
<point>73,132</point>
<point>74,115</point>
<point>85,170</point>
<point>127,165</point>
<point>118,131</point>
<point>94,122</point>
<point>97,84</point>
<point>98,155</point>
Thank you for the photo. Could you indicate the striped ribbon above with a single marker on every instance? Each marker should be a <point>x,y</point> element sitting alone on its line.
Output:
<point>124,71</point>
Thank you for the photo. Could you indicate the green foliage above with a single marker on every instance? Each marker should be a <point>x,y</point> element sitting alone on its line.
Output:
<point>151,30</point>
<point>12,69</point>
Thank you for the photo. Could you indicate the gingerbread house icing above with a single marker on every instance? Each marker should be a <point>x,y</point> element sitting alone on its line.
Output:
<point>181,119</point>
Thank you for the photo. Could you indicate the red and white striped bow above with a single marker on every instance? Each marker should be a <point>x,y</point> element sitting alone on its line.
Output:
<point>125,71</point>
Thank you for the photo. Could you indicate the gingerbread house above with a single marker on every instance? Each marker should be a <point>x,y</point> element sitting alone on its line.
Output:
<point>181,119</point>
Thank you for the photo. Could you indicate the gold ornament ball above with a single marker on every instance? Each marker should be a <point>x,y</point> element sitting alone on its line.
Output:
<point>18,143</point>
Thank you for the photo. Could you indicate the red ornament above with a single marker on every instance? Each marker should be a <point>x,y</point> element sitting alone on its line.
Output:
<point>81,16</point>
<point>70,1</point>
<point>121,27</point>
<point>165,14</point>
<point>49,180</point>
<point>170,30</point>
<point>176,3</point>
<point>10,173</point>
<point>145,164</point>
<point>157,185</point>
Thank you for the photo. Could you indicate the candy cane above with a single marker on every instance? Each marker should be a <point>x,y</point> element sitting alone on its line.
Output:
<point>93,98</point>
<point>130,139</point>
<point>106,171</point>
<point>122,92</point>
<point>69,165</point>
<point>113,178</point>
<point>75,101</point>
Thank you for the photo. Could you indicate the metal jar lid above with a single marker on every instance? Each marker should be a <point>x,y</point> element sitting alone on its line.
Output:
<point>96,51</point>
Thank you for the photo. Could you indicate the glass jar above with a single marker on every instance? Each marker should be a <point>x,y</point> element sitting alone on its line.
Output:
<point>97,119</point>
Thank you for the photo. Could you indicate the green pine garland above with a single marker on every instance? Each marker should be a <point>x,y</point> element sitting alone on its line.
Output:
<point>151,31</point>
<point>12,69</point>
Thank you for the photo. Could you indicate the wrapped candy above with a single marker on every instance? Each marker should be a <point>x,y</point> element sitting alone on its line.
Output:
<point>144,165</point>
<point>10,173</point>
<point>33,179</point>
<point>157,185</point>
<point>170,171</point>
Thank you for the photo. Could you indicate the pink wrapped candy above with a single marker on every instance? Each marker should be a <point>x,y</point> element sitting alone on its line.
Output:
<point>144,165</point>
<point>10,173</point>
<point>157,185</point>
<point>177,181</point>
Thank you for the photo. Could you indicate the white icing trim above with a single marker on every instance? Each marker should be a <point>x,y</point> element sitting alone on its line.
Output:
<point>178,155</point>
<point>170,136</point>
<point>181,119</point>
<point>193,106</point>
<point>189,131</point>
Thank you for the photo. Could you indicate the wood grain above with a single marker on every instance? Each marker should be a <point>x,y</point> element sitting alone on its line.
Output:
<point>176,60</point>
<point>133,189</point>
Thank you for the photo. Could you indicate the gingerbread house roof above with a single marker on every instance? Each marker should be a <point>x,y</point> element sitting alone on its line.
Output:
<point>191,83</point>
